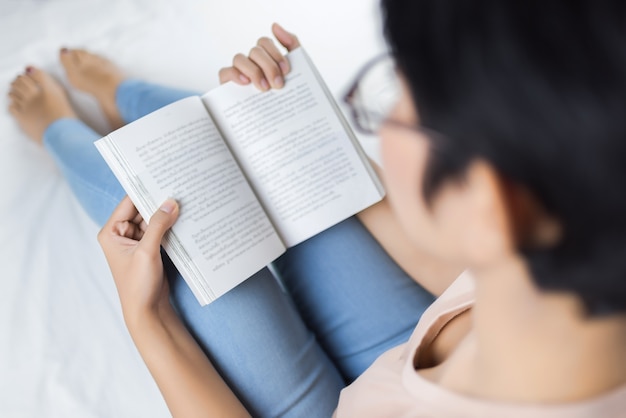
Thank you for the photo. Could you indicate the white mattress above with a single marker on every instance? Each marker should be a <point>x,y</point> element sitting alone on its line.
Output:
<point>64,350</point>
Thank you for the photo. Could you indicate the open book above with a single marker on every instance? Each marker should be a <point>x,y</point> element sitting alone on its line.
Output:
<point>253,172</point>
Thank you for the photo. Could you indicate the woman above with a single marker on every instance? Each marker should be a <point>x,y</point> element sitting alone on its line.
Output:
<point>502,153</point>
<point>314,341</point>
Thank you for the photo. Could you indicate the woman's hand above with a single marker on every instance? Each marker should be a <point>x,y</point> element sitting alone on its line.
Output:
<point>188,381</point>
<point>265,66</point>
<point>132,249</point>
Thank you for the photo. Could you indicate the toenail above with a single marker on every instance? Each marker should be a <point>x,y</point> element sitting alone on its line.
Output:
<point>64,50</point>
<point>29,69</point>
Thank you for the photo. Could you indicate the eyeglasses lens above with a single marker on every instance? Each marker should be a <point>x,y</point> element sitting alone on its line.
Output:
<point>376,94</point>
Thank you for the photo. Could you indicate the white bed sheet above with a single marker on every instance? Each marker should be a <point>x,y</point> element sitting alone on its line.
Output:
<point>64,350</point>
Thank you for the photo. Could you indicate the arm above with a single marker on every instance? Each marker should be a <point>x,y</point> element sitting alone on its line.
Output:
<point>188,381</point>
<point>265,67</point>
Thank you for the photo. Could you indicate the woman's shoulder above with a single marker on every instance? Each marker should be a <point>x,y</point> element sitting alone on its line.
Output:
<point>393,387</point>
<point>382,389</point>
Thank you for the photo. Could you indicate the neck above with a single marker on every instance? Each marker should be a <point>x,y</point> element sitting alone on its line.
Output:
<point>532,346</point>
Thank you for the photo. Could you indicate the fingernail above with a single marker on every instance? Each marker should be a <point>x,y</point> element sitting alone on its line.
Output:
<point>244,79</point>
<point>278,82</point>
<point>168,206</point>
<point>284,67</point>
<point>64,50</point>
<point>29,69</point>
<point>264,84</point>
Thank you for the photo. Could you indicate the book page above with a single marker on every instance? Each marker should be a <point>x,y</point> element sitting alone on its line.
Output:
<point>297,151</point>
<point>178,152</point>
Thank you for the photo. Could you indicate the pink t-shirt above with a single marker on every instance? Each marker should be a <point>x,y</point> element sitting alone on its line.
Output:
<point>392,388</point>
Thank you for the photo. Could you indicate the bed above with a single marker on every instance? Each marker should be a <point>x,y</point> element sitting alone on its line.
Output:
<point>64,350</point>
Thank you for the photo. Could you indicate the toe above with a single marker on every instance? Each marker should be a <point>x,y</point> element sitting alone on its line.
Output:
<point>14,108</point>
<point>16,103</point>
<point>21,87</point>
<point>25,84</point>
<point>15,96</point>
<point>39,77</point>
<point>17,84</point>
<point>70,57</point>
<point>66,56</point>
<point>17,92</point>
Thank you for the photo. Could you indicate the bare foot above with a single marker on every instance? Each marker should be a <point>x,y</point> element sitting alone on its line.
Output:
<point>97,76</point>
<point>37,100</point>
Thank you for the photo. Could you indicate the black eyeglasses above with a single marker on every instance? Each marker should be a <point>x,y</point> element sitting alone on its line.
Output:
<point>373,94</point>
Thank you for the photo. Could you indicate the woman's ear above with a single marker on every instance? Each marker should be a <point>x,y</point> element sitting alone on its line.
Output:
<point>532,227</point>
<point>498,217</point>
<point>488,233</point>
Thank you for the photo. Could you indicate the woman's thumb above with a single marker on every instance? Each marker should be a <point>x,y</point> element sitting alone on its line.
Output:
<point>161,221</point>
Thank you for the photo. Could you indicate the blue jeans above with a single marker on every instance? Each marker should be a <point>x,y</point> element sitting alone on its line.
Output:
<point>285,347</point>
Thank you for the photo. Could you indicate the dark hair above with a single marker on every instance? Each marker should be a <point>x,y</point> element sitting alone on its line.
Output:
<point>538,89</point>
